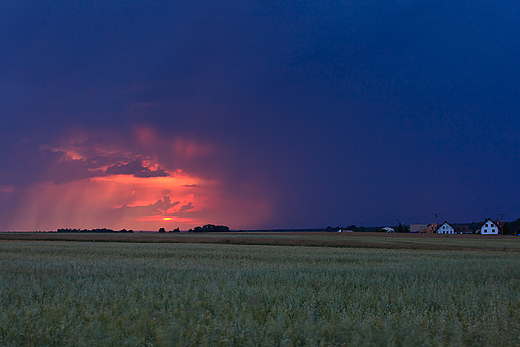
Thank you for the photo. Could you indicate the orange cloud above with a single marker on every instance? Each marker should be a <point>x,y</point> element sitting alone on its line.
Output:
<point>90,203</point>
<point>128,187</point>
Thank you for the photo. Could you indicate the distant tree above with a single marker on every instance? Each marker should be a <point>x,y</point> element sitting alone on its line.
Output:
<point>515,227</point>
<point>162,230</point>
<point>102,230</point>
<point>219,228</point>
<point>506,229</point>
<point>176,230</point>
<point>211,228</point>
<point>403,228</point>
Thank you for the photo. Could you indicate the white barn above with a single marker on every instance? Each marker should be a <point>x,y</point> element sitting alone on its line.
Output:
<point>445,228</point>
<point>489,228</point>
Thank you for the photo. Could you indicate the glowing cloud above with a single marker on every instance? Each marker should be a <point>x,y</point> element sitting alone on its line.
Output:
<point>119,182</point>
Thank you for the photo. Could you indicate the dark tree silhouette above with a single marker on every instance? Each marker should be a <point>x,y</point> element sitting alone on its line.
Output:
<point>211,228</point>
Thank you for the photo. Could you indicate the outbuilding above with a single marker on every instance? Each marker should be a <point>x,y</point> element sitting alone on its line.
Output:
<point>418,228</point>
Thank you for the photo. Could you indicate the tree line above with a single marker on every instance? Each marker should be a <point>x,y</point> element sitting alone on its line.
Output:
<point>101,230</point>
<point>208,228</point>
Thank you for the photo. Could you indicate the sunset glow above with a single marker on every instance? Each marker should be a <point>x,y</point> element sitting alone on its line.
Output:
<point>114,186</point>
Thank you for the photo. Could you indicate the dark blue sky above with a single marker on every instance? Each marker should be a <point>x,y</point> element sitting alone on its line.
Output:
<point>287,114</point>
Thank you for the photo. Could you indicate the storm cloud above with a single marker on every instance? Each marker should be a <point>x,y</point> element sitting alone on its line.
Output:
<point>135,168</point>
<point>265,114</point>
<point>158,208</point>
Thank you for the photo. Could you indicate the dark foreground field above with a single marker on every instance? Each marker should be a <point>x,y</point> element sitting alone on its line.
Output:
<point>182,294</point>
<point>321,239</point>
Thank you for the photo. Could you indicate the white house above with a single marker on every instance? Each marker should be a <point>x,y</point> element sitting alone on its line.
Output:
<point>489,228</point>
<point>445,228</point>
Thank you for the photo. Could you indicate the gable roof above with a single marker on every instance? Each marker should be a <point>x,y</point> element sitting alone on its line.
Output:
<point>445,223</point>
<point>497,224</point>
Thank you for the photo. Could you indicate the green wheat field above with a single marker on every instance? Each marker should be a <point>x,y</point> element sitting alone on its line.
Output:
<point>128,294</point>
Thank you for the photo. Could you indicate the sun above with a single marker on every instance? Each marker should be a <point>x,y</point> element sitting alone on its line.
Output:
<point>166,218</point>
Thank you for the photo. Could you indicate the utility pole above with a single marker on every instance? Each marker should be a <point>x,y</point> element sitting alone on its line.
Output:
<point>501,224</point>
<point>436,219</point>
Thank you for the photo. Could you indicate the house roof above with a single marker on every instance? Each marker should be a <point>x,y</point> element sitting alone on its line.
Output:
<point>446,223</point>
<point>497,223</point>
<point>462,227</point>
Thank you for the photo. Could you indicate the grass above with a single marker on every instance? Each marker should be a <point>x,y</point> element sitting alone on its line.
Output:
<point>322,239</point>
<point>131,294</point>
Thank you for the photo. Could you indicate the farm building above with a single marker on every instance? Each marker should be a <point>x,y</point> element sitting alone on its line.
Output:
<point>446,228</point>
<point>432,228</point>
<point>462,229</point>
<point>489,228</point>
<point>418,228</point>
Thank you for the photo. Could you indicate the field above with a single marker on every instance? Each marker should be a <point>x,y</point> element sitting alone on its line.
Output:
<point>145,293</point>
<point>320,239</point>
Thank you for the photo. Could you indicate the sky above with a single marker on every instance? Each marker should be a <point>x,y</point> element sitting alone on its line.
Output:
<point>258,114</point>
